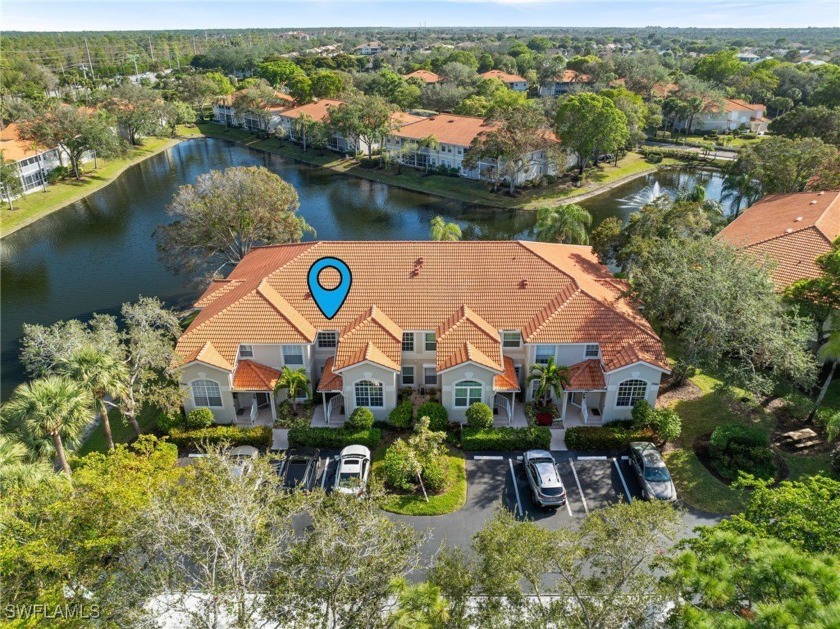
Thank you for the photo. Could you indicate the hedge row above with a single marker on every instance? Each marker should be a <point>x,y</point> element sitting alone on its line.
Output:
<point>259,436</point>
<point>535,437</point>
<point>333,437</point>
<point>615,436</point>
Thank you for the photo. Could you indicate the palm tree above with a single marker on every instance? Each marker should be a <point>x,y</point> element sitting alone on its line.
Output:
<point>420,606</point>
<point>551,377</point>
<point>294,381</point>
<point>739,187</point>
<point>102,375</point>
<point>17,466</point>
<point>443,231</point>
<point>54,408</point>
<point>566,223</point>
<point>431,143</point>
<point>830,352</point>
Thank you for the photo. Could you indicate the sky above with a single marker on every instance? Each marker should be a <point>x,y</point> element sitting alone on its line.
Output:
<point>72,15</point>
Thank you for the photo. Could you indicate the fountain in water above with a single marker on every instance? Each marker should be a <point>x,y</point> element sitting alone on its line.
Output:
<point>641,198</point>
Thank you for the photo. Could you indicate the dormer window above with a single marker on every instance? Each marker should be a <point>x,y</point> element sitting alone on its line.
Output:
<point>327,339</point>
<point>591,351</point>
<point>511,339</point>
<point>246,351</point>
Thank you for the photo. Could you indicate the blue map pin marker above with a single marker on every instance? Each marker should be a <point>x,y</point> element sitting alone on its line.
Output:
<point>329,300</point>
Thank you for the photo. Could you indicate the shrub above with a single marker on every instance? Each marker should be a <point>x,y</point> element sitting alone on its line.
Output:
<point>798,405</point>
<point>479,416</point>
<point>57,174</point>
<point>438,417</point>
<point>259,437</point>
<point>829,420</point>
<point>834,457</point>
<point>398,467</point>
<point>613,436</point>
<point>506,438</point>
<point>200,418</point>
<point>682,371</point>
<point>435,475</point>
<point>360,419</point>
<point>654,157</point>
<point>406,392</point>
<point>403,414</point>
<point>167,421</point>
<point>642,414</point>
<point>335,438</point>
<point>667,423</point>
<point>735,448</point>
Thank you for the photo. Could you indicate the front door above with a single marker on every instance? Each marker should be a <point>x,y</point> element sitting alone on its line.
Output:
<point>263,400</point>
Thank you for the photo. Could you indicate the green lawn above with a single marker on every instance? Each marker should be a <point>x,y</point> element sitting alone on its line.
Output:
<point>456,188</point>
<point>121,431</point>
<point>38,204</point>
<point>451,500</point>
<point>695,484</point>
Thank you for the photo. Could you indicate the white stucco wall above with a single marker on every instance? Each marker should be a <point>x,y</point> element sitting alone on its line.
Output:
<point>637,371</point>
<point>465,372</point>
<point>369,371</point>
<point>199,371</point>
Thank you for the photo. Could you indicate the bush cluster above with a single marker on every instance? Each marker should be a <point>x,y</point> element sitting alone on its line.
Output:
<point>735,448</point>
<point>654,157</point>
<point>834,457</point>
<point>436,412</point>
<point>613,436</point>
<point>259,436</point>
<point>360,419</point>
<point>665,422</point>
<point>336,438</point>
<point>167,421</point>
<point>403,415</point>
<point>200,418</point>
<point>479,416</point>
<point>423,453</point>
<point>499,439</point>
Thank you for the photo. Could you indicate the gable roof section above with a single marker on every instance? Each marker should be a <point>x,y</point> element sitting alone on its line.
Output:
<point>504,77</point>
<point>506,381</point>
<point>208,355</point>
<point>424,75</point>
<point>254,376</point>
<point>790,229</point>
<point>14,148</point>
<point>552,293</point>
<point>586,376</point>
<point>446,128</point>
<point>330,381</point>
<point>318,110</point>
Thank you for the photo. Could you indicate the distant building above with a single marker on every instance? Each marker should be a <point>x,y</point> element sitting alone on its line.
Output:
<point>33,162</point>
<point>513,81</point>
<point>746,56</point>
<point>225,113</point>
<point>734,114</point>
<point>424,75</point>
<point>370,48</point>
<point>563,83</point>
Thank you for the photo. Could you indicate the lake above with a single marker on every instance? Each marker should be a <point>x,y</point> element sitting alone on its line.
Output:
<point>100,252</point>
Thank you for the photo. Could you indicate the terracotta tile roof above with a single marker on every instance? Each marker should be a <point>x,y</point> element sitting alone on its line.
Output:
<point>330,381</point>
<point>216,289</point>
<point>572,76</point>
<point>504,77</point>
<point>790,229</point>
<point>319,110</point>
<point>446,128</point>
<point>208,355</point>
<point>465,336</point>
<point>420,285</point>
<point>372,336</point>
<point>586,376</point>
<point>424,75</point>
<point>507,381</point>
<point>736,104</point>
<point>253,376</point>
<point>227,99</point>
<point>14,148</point>
<point>663,90</point>
<point>400,118</point>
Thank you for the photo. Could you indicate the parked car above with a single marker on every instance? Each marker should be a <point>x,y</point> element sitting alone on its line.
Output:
<point>544,479</point>
<point>299,468</point>
<point>651,471</point>
<point>240,459</point>
<point>353,470</point>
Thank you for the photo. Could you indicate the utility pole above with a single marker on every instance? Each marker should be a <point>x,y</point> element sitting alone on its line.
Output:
<point>136,71</point>
<point>151,50</point>
<point>90,62</point>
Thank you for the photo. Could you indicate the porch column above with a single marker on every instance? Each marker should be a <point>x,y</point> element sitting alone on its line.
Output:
<point>563,411</point>
<point>273,406</point>
<point>324,402</point>
<point>512,408</point>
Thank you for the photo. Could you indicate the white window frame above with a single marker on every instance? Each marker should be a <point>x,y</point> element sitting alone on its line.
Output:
<point>246,353</point>
<point>537,353</point>
<point>588,349</point>
<point>426,342</point>
<point>506,342</point>
<point>430,384</point>
<point>207,386</point>
<point>327,334</point>
<point>367,388</point>
<point>412,376</point>
<point>633,386</point>
<point>286,355</point>
<point>408,346</point>
<point>469,396</point>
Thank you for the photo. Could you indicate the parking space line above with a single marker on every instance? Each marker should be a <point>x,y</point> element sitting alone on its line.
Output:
<point>487,457</point>
<point>324,473</point>
<point>625,458</point>
<point>623,482</point>
<point>580,489</point>
<point>591,458</point>
<point>568,506</point>
<point>516,489</point>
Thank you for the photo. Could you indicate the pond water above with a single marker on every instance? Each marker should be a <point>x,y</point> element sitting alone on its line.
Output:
<point>100,252</point>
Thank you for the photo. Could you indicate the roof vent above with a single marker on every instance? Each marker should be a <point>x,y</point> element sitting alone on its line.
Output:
<point>814,202</point>
<point>789,230</point>
<point>798,219</point>
<point>822,193</point>
<point>523,283</point>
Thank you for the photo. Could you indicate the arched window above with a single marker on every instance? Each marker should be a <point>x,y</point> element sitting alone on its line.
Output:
<point>630,392</point>
<point>206,393</point>
<point>467,392</point>
<point>369,393</point>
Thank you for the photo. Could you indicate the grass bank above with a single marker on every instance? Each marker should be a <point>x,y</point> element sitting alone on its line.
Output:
<point>414,504</point>
<point>712,407</point>
<point>121,431</point>
<point>36,205</point>
<point>599,179</point>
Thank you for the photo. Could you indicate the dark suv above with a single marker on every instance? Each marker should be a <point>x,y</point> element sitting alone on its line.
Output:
<point>299,469</point>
